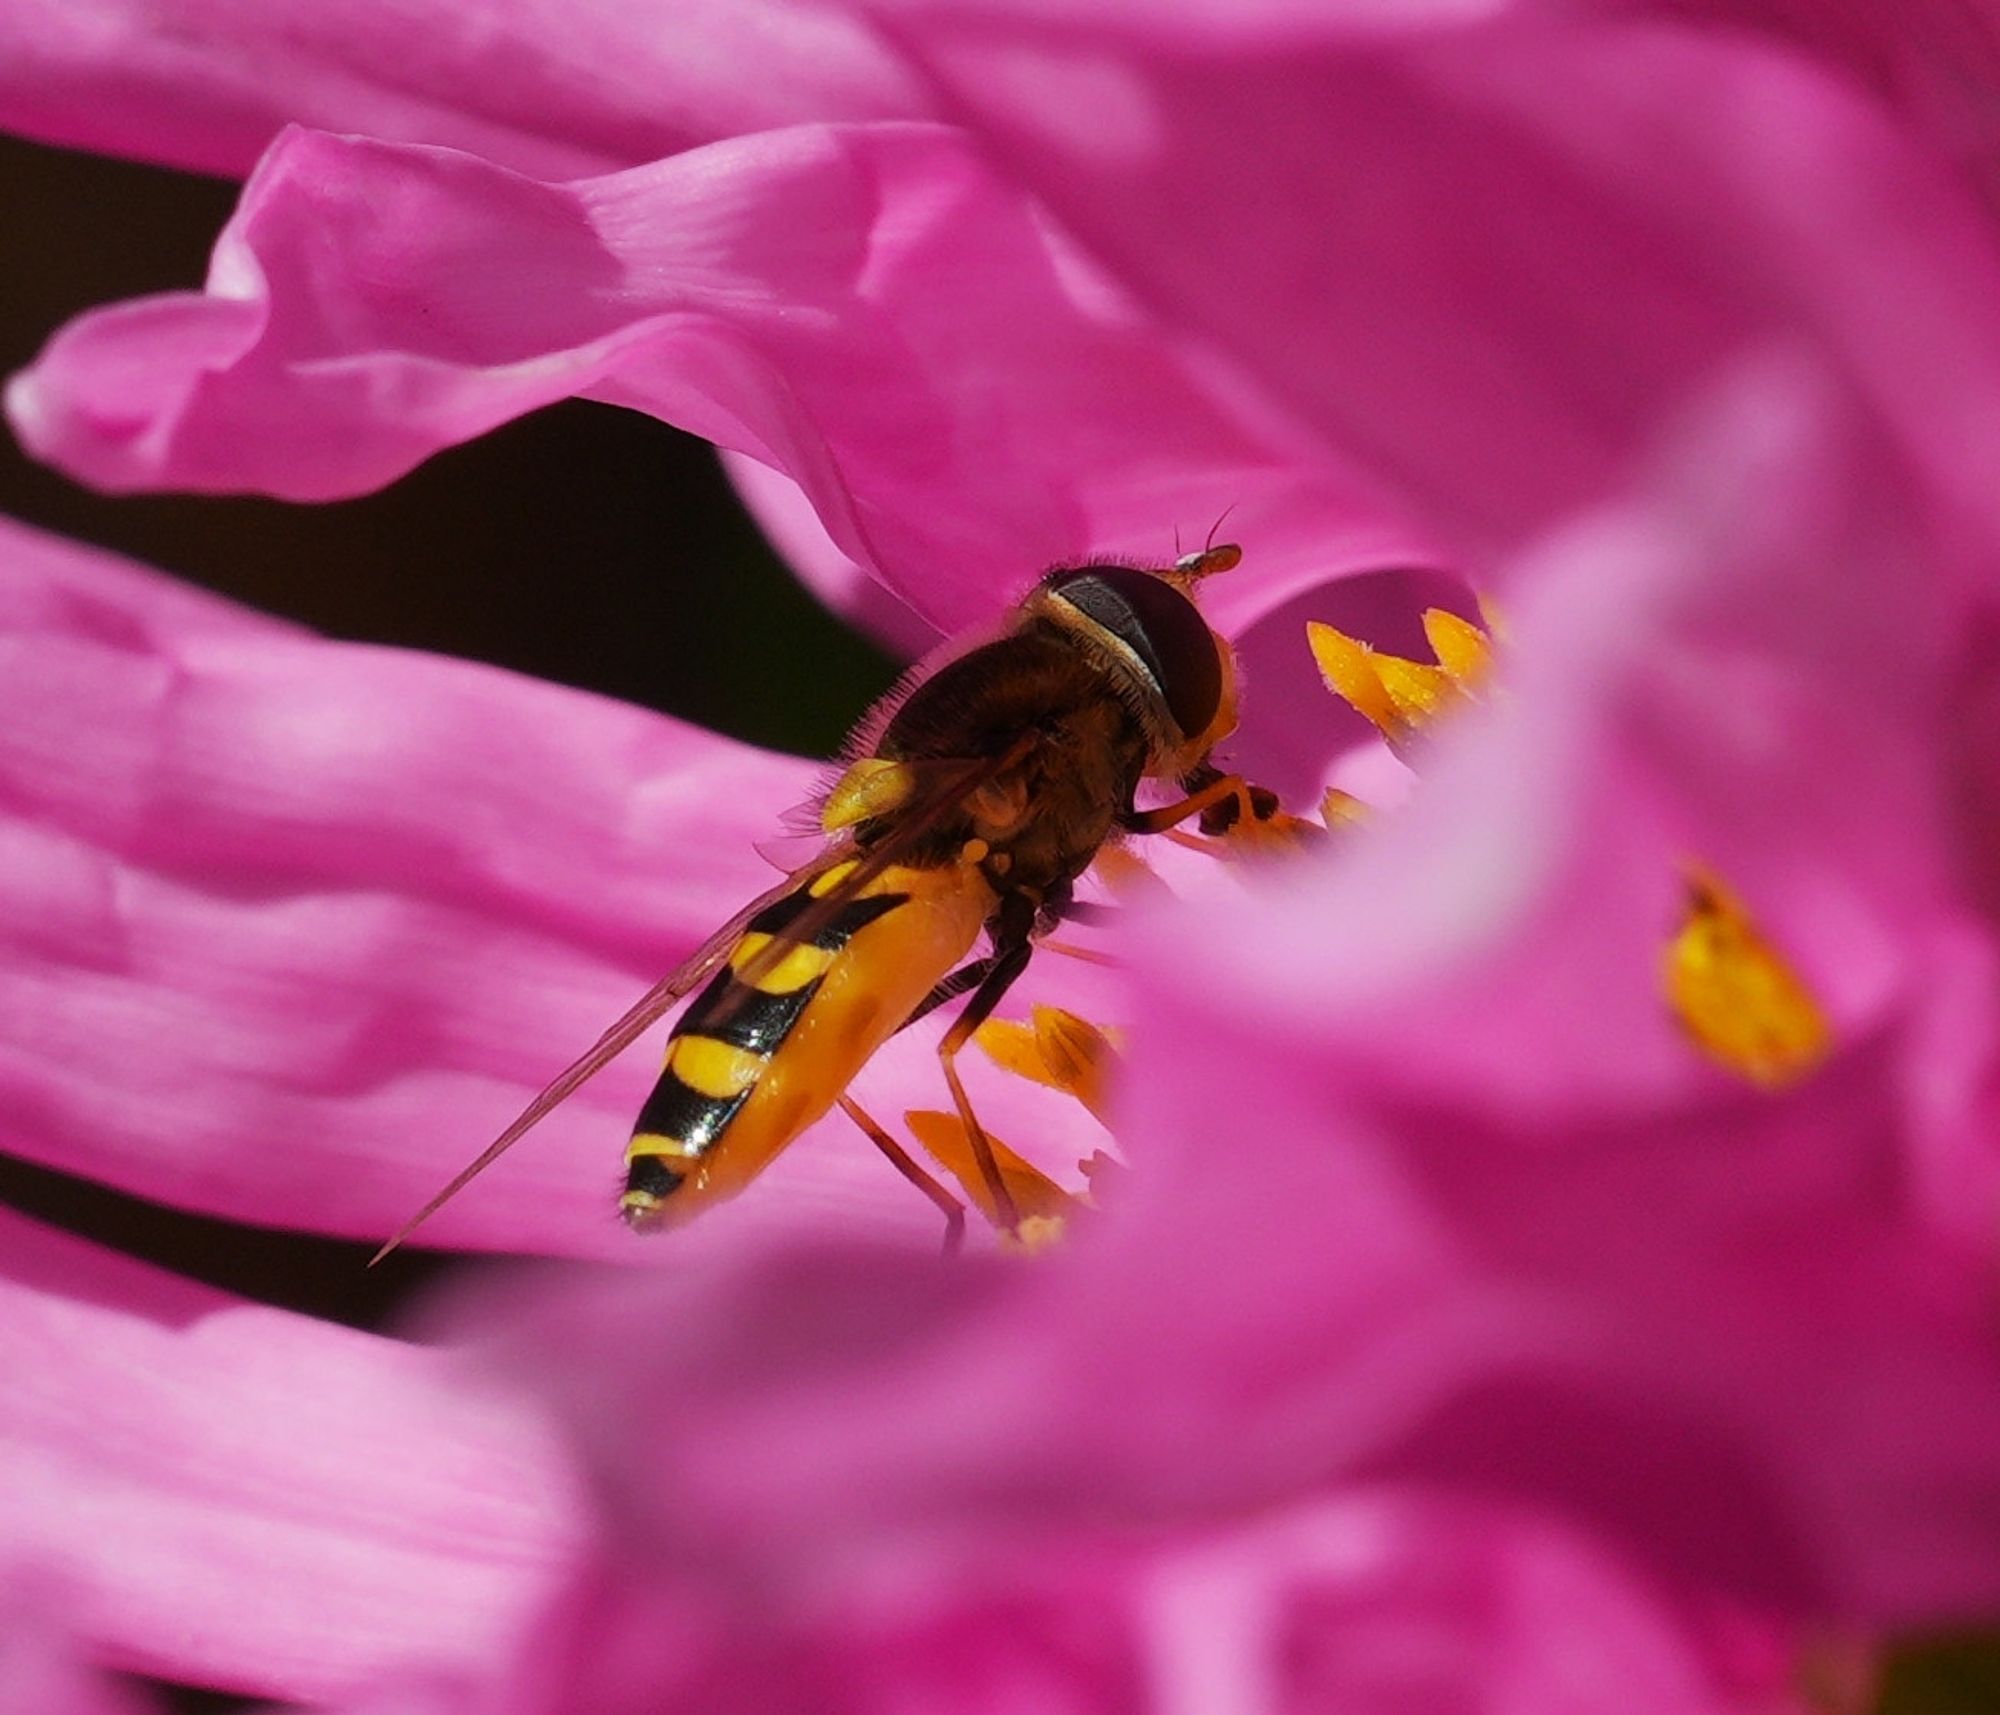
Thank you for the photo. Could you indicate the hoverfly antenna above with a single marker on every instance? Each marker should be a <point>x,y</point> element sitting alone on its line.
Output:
<point>1221,557</point>
<point>1214,556</point>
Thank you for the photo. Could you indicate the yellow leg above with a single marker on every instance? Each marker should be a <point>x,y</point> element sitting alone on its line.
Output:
<point>1218,790</point>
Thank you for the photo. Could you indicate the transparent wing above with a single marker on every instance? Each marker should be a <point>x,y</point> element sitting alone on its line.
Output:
<point>644,1013</point>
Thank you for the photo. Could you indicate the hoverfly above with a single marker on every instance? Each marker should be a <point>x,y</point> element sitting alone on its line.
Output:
<point>970,805</point>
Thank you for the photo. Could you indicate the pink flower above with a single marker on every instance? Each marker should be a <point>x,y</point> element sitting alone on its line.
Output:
<point>1448,1274</point>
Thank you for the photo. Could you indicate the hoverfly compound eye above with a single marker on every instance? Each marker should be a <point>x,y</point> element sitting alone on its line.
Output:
<point>1161,628</point>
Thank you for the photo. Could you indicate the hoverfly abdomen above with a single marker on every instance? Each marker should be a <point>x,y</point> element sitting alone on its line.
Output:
<point>765,1048</point>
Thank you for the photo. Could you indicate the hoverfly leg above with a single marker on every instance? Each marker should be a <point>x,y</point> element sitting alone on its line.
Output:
<point>1091,913</point>
<point>1083,955</point>
<point>1220,790</point>
<point>1011,951</point>
<point>968,975</point>
<point>899,1158</point>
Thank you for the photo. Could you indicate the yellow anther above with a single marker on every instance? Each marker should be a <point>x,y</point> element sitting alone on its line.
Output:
<point>1036,1195</point>
<point>1462,649</point>
<point>1416,692</point>
<point>1125,874</point>
<point>1348,667</point>
<point>1011,1045</point>
<point>1035,1234</point>
<point>1736,996</point>
<point>1399,695</point>
<point>1338,809</point>
<point>1058,1049</point>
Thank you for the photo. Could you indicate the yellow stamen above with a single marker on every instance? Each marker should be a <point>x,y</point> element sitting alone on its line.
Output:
<point>1736,996</point>
<point>1036,1196</point>
<point>1418,693</point>
<point>1035,1234</point>
<point>1348,667</point>
<point>1058,1049</point>
<point>1338,809</point>
<point>1126,875</point>
<point>1462,649</point>
<point>1399,695</point>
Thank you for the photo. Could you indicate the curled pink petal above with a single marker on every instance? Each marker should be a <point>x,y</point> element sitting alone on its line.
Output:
<point>238,1496</point>
<point>870,312</point>
<point>558,89</point>
<point>293,927</point>
<point>786,516</point>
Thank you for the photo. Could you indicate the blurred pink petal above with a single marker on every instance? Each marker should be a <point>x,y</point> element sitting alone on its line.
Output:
<point>1937,62</point>
<point>232,1495</point>
<point>1490,294</point>
<point>1378,1602</point>
<point>868,311</point>
<point>42,1671</point>
<point>293,927</point>
<point>560,89</point>
<point>1737,1336</point>
<point>1425,1181</point>
<point>1730,667</point>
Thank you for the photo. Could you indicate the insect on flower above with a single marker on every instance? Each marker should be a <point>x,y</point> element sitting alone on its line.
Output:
<point>973,798</point>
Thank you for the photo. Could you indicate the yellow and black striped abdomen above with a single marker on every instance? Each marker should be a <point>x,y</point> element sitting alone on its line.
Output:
<point>750,1066</point>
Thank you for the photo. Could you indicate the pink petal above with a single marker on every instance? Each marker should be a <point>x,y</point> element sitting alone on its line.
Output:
<point>1480,1030</point>
<point>1488,292</point>
<point>231,1495</point>
<point>293,927</point>
<point>788,520</point>
<point>1384,1601</point>
<point>41,1670</point>
<point>868,311</point>
<point>558,89</point>
<point>1936,64</point>
<point>1425,1183</point>
<point>1722,670</point>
